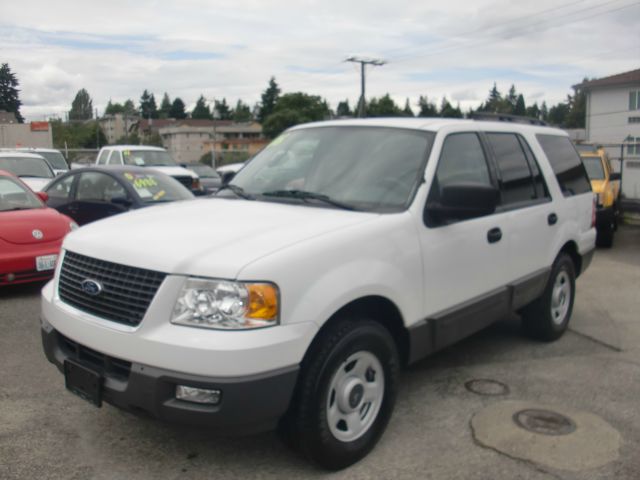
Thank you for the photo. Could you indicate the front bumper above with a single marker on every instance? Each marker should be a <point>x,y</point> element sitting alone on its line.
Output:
<point>249,404</point>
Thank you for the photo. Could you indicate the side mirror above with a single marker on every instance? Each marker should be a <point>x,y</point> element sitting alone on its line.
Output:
<point>613,176</point>
<point>462,201</point>
<point>121,202</point>
<point>44,196</point>
<point>227,177</point>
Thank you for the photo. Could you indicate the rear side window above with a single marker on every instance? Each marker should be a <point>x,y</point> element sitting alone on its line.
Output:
<point>516,177</point>
<point>462,160</point>
<point>566,164</point>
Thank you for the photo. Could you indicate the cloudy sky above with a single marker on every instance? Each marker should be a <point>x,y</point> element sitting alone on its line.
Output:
<point>230,48</point>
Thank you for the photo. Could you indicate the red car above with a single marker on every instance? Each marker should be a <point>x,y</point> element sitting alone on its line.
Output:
<point>30,233</point>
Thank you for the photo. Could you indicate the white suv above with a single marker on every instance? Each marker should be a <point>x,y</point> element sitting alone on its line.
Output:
<point>342,252</point>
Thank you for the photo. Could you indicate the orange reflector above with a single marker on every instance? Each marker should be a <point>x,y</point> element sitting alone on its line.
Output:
<point>263,301</point>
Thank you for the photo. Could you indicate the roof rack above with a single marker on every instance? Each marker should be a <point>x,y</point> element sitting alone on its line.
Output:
<point>507,117</point>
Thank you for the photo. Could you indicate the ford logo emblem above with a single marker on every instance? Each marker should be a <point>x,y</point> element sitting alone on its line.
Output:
<point>91,287</point>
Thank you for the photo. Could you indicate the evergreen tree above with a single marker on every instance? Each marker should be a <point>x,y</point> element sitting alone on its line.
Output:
<point>344,110</point>
<point>9,92</point>
<point>201,110</point>
<point>544,112</point>
<point>177,110</point>
<point>222,110</point>
<point>533,111</point>
<point>448,111</point>
<point>383,107</point>
<point>520,108</point>
<point>427,108</point>
<point>268,100</point>
<point>558,114</point>
<point>165,106</point>
<point>129,108</point>
<point>81,107</point>
<point>512,97</point>
<point>113,108</point>
<point>148,107</point>
<point>407,109</point>
<point>292,109</point>
<point>577,108</point>
<point>242,112</point>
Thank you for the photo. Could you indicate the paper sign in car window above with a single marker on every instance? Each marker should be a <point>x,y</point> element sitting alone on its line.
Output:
<point>278,140</point>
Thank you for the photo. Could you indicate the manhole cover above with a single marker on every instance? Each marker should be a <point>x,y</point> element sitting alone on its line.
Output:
<point>544,422</point>
<point>485,386</point>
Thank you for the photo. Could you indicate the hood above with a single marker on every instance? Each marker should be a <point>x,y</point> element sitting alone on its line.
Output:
<point>175,171</point>
<point>18,226</point>
<point>209,237</point>
<point>36,184</point>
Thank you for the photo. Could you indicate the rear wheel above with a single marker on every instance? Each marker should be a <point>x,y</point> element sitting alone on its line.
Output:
<point>345,395</point>
<point>547,318</point>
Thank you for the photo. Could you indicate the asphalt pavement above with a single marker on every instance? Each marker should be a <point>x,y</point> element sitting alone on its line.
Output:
<point>495,406</point>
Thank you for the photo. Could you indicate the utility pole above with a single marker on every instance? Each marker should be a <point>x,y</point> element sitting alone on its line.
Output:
<point>363,62</point>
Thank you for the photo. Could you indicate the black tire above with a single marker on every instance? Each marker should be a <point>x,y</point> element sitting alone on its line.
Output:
<point>547,318</point>
<point>604,237</point>
<point>315,402</point>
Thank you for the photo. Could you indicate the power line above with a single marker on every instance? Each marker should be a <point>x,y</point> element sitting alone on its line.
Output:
<point>363,62</point>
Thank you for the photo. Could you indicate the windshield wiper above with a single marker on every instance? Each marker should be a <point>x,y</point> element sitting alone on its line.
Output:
<point>304,195</point>
<point>239,191</point>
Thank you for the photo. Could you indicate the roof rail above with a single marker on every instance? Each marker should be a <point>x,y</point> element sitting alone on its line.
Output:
<point>506,117</point>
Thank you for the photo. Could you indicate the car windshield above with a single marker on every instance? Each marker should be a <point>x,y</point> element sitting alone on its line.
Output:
<point>594,167</point>
<point>148,158</point>
<point>364,168</point>
<point>14,196</point>
<point>154,187</point>
<point>26,167</point>
<point>55,159</point>
<point>204,171</point>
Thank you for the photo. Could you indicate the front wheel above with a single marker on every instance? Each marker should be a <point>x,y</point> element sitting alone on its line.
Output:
<point>346,393</point>
<point>547,318</point>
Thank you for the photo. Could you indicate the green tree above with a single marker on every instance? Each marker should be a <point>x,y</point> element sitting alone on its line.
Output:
<point>344,110</point>
<point>165,106</point>
<point>81,107</point>
<point>177,109</point>
<point>9,92</point>
<point>113,108</point>
<point>558,114</point>
<point>242,112</point>
<point>407,112</point>
<point>268,100</point>
<point>544,112</point>
<point>383,107</point>
<point>148,107</point>
<point>222,110</point>
<point>512,98</point>
<point>129,108</point>
<point>292,109</point>
<point>427,108</point>
<point>154,139</point>
<point>448,111</point>
<point>533,111</point>
<point>577,108</point>
<point>520,107</point>
<point>77,135</point>
<point>201,110</point>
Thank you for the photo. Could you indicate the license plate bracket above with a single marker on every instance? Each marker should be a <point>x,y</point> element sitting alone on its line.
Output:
<point>46,262</point>
<point>84,382</point>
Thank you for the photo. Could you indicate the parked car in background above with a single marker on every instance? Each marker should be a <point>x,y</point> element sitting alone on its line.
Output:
<point>30,235</point>
<point>92,193</point>
<point>210,180</point>
<point>227,172</point>
<point>33,169</point>
<point>605,183</point>
<point>148,156</point>
<point>54,157</point>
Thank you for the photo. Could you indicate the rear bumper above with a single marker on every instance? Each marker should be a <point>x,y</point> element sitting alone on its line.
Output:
<point>248,404</point>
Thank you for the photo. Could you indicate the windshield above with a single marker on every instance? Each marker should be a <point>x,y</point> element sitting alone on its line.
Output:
<point>204,171</point>
<point>154,187</point>
<point>26,167</point>
<point>594,167</point>
<point>56,160</point>
<point>366,168</point>
<point>148,158</point>
<point>14,196</point>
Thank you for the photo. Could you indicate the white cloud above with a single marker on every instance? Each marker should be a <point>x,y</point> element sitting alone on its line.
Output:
<point>232,47</point>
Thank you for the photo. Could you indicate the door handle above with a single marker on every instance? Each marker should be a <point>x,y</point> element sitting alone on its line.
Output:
<point>494,235</point>
<point>552,219</point>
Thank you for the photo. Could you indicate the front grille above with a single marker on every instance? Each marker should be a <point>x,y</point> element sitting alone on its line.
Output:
<point>104,364</point>
<point>186,181</point>
<point>126,291</point>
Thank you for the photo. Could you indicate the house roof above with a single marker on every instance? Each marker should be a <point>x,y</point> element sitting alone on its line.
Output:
<point>626,78</point>
<point>172,122</point>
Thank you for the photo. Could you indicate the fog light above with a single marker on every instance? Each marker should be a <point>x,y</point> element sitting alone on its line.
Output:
<point>11,277</point>
<point>198,395</point>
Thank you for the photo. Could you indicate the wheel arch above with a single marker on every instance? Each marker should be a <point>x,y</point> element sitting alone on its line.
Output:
<point>571,248</point>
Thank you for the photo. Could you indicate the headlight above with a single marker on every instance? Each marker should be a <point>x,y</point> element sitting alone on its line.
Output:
<point>226,305</point>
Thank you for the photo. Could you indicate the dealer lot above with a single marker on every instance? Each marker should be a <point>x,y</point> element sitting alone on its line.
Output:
<point>436,430</point>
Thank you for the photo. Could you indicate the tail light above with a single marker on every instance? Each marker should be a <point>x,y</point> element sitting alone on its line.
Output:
<point>195,184</point>
<point>593,213</point>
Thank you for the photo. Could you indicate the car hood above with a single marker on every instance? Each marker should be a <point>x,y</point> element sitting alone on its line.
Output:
<point>175,171</point>
<point>18,226</point>
<point>36,184</point>
<point>209,237</point>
